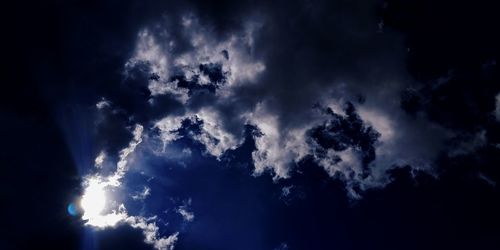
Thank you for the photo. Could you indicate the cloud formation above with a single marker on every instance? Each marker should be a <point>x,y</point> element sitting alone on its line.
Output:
<point>100,207</point>
<point>219,84</point>
<point>341,100</point>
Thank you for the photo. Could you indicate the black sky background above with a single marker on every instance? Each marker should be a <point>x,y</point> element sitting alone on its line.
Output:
<point>59,57</point>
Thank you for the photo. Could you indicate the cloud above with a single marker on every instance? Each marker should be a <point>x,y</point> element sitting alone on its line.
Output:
<point>211,133</point>
<point>229,80</point>
<point>100,209</point>
<point>146,191</point>
<point>103,104</point>
<point>97,186</point>
<point>151,234</point>
<point>345,146</point>
<point>275,149</point>
<point>99,159</point>
<point>148,226</point>
<point>188,216</point>
<point>148,51</point>
<point>468,143</point>
<point>332,95</point>
<point>282,246</point>
<point>487,179</point>
<point>209,64</point>
<point>121,166</point>
<point>183,210</point>
<point>404,140</point>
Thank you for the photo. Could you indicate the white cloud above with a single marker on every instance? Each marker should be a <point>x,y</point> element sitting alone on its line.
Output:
<point>166,243</point>
<point>348,162</point>
<point>188,216</point>
<point>121,166</point>
<point>168,127</point>
<point>146,191</point>
<point>99,159</point>
<point>347,165</point>
<point>212,129</point>
<point>183,210</point>
<point>403,141</point>
<point>147,225</point>
<point>110,219</point>
<point>151,234</point>
<point>379,121</point>
<point>98,201</point>
<point>216,139</point>
<point>149,51</point>
<point>276,148</point>
<point>241,67</point>
<point>103,103</point>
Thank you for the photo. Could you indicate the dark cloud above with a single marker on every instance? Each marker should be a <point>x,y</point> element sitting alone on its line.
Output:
<point>258,67</point>
<point>212,71</point>
<point>341,133</point>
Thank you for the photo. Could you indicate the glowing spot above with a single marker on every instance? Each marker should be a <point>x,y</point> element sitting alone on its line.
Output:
<point>72,210</point>
<point>93,200</point>
<point>93,203</point>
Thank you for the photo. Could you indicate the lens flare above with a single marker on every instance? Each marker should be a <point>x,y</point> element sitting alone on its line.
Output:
<point>72,209</point>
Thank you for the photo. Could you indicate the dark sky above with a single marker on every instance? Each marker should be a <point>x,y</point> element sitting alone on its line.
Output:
<point>250,124</point>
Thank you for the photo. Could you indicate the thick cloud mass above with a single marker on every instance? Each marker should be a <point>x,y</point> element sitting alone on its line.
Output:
<point>225,81</point>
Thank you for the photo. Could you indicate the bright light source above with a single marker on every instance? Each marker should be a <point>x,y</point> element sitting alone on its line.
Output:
<point>93,200</point>
<point>93,203</point>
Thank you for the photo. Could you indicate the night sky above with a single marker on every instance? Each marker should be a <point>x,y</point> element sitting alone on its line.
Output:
<point>250,125</point>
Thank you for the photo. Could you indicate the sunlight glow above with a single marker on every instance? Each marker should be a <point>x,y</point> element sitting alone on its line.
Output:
<point>93,203</point>
<point>93,200</point>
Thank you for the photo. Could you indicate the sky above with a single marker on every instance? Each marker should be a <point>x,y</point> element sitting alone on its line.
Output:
<point>249,125</point>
